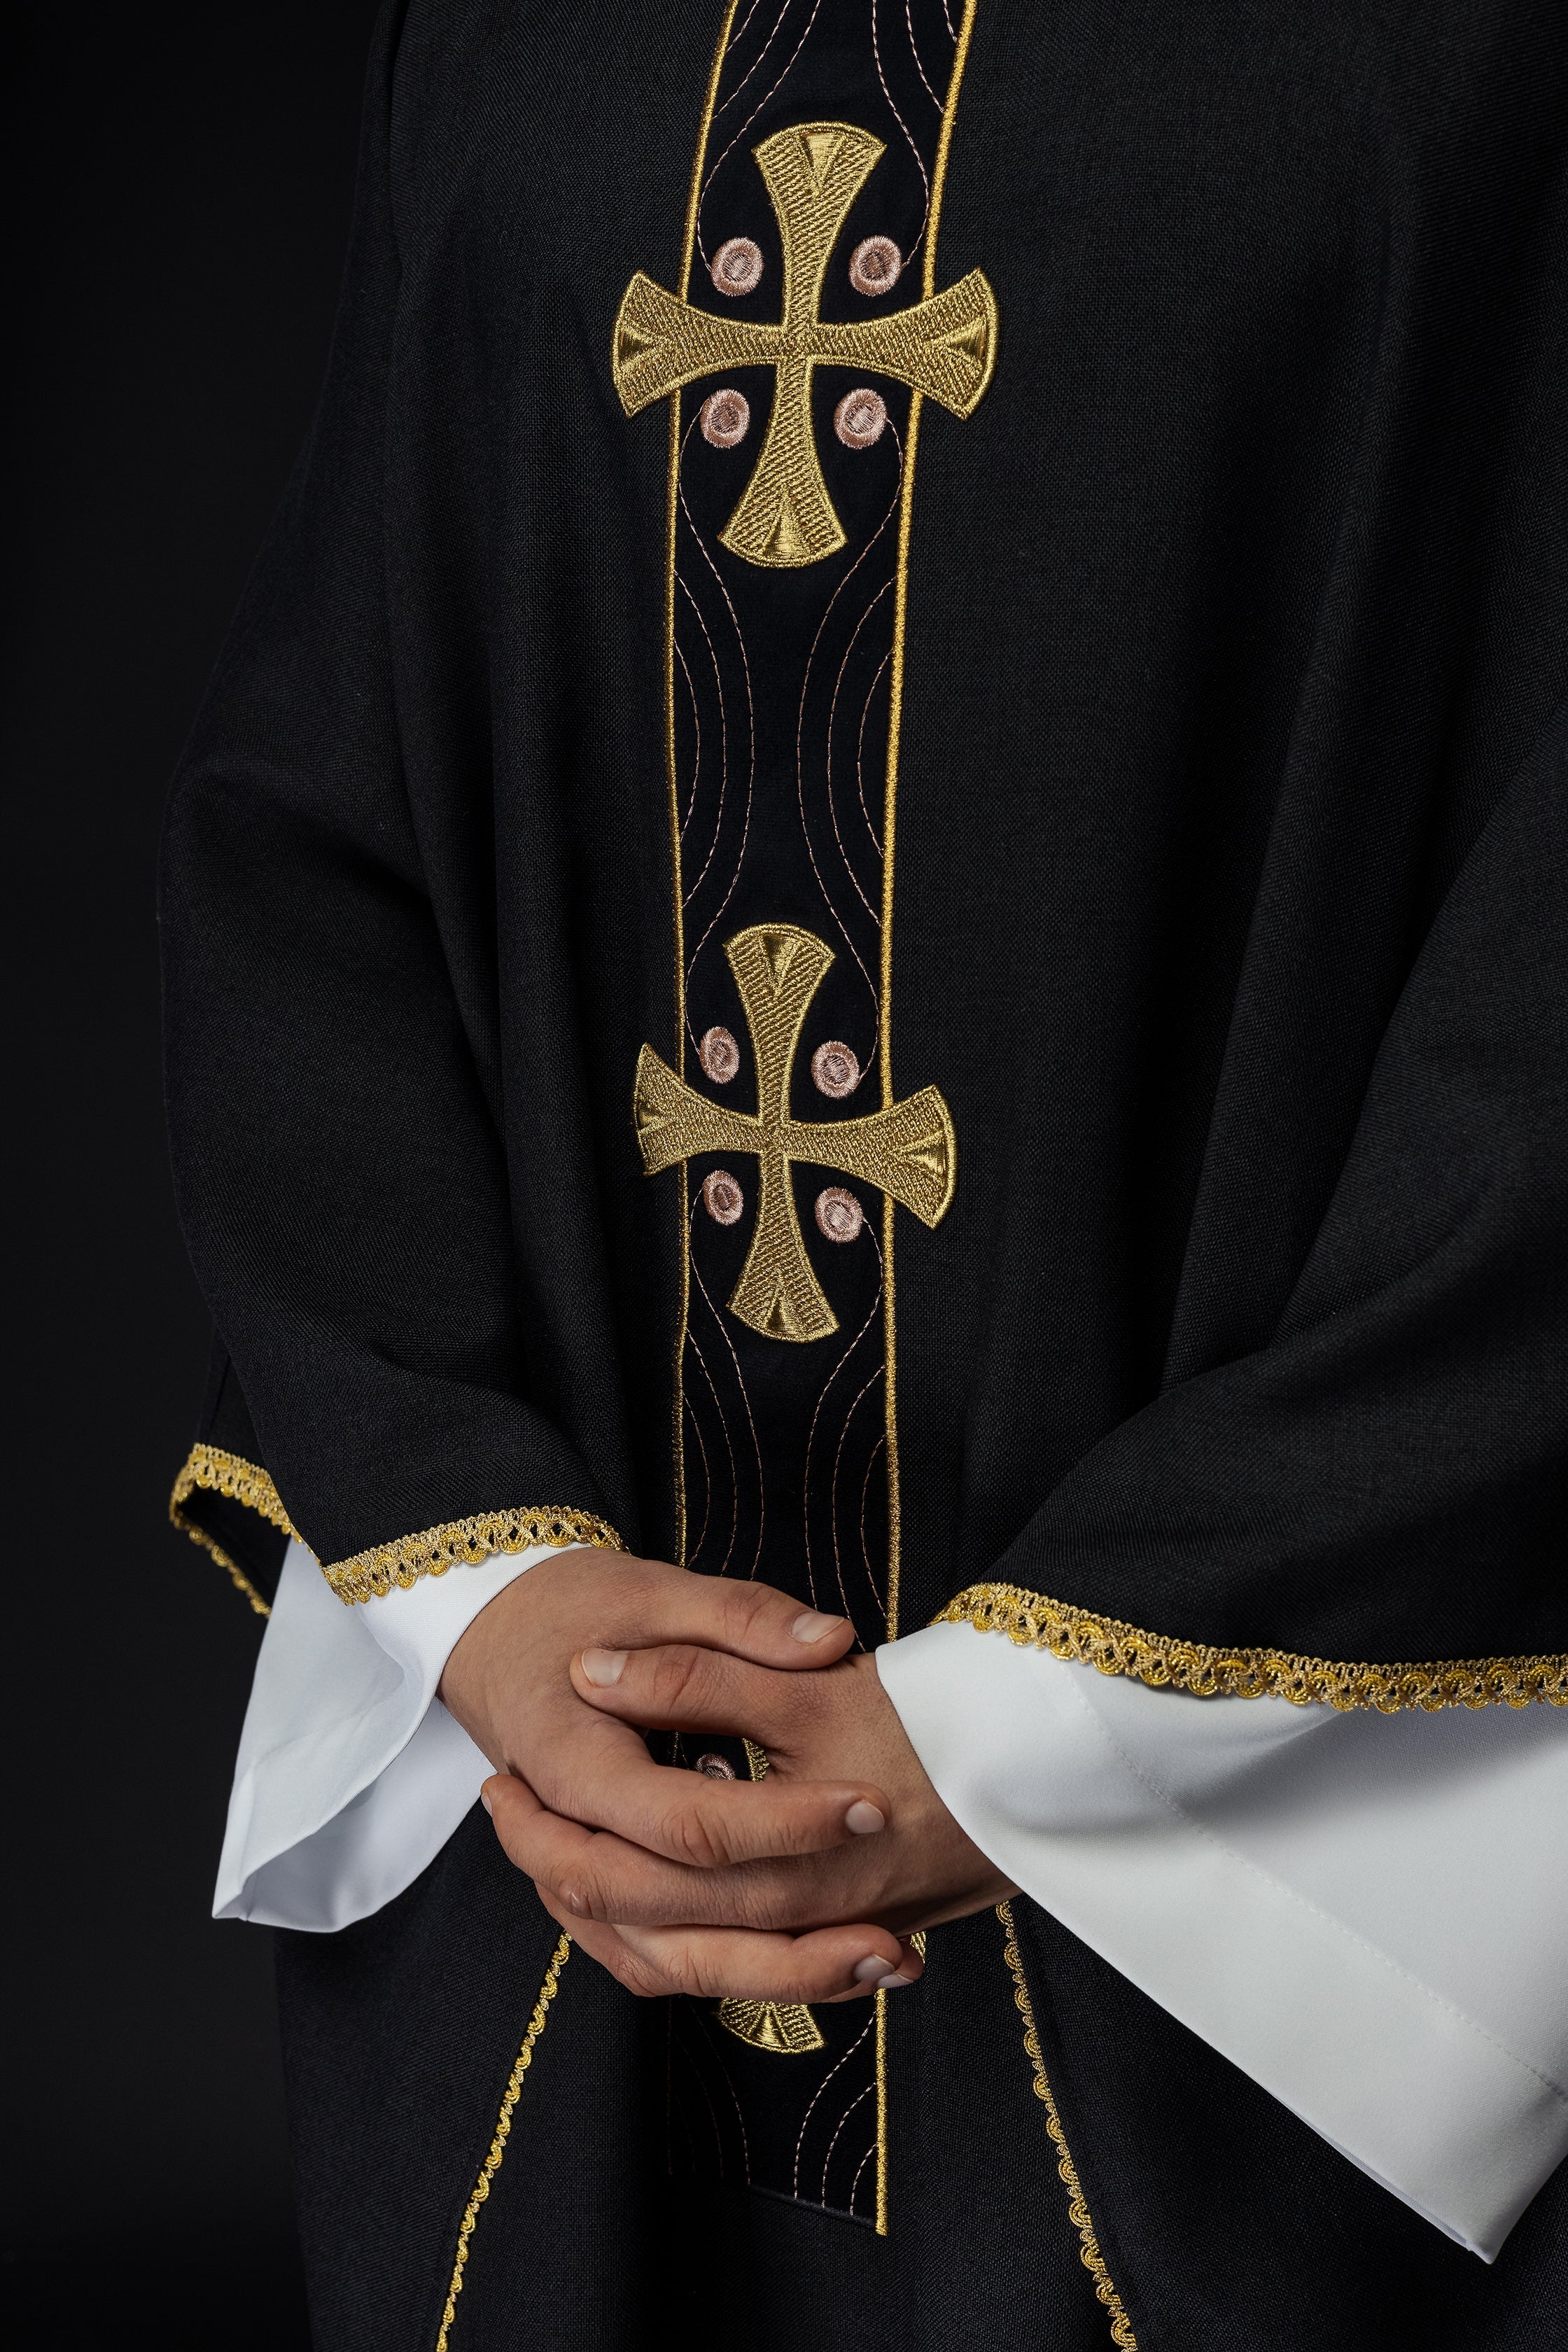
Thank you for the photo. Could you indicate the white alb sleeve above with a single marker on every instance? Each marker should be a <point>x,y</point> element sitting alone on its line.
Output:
<point>350,1775</point>
<point>1367,1914</point>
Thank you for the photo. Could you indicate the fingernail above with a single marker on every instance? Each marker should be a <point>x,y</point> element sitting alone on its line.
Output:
<point>486,1803</point>
<point>812,1625</point>
<point>886,1984</point>
<point>870,1970</point>
<point>863,1820</point>
<point>603,1667</point>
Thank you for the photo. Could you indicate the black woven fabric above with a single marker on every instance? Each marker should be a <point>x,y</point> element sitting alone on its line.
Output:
<point>1231,920</point>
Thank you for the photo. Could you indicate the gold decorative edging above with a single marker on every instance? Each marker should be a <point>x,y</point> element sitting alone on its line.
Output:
<point>1082,1636</point>
<point>1089,2254</point>
<point>890,848</point>
<point>241,1582</point>
<point>491,2164</point>
<point>207,1467</point>
<point>463,1543</point>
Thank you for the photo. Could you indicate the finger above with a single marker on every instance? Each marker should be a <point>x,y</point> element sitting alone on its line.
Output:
<point>903,1975</point>
<point>598,1875</point>
<point>829,1967</point>
<point>830,1964</point>
<point>658,1604</point>
<point>686,1687</point>
<point>603,1944</point>
<point>704,1823</point>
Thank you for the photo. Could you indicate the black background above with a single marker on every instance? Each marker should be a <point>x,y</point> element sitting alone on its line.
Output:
<point>181,176</point>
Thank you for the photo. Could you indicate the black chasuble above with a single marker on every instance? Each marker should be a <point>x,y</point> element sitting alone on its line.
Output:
<point>875,894</point>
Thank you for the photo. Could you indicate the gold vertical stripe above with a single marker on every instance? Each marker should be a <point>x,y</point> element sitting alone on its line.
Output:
<point>493,2162</point>
<point>889,830</point>
<point>1089,2254</point>
<point>688,247</point>
<point>944,140</point>
<point>885,1037</point>
<point>683,1202</point>
<point>881,2000</point>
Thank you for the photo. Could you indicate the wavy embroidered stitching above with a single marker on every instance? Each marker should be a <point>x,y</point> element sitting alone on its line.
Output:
<point>1089,2254</point>
<point>493,2162</point>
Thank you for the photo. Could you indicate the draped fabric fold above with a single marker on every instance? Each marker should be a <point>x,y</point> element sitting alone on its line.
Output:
<point>1385,1478</point>
<point>334,1072</point>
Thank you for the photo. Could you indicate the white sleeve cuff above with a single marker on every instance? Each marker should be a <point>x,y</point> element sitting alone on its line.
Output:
<point>350,1775</point>
<point>1367,1914</point>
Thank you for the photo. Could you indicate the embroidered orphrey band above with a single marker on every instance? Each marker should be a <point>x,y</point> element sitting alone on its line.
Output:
<point>1089,2254</point>
<point>208,1467</point>
<point>369,1575</point>
<point>787,562</point>
<point>1086,1639</point>
<point>493,2162</point>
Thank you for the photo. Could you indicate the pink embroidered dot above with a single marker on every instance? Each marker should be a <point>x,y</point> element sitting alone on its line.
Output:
<point>834,1071</point>
<point>860,418</point>
<point>722,1197</point>
<point>714,1768</point>
<point>874,265</point>
<point>738,265</point>
<point>724,418</point>
<point>839,1215</point>
<point>720,1055</point>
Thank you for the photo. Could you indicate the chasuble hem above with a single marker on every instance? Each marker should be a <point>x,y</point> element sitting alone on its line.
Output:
<point>382,1568</point>
<point>207,1469</point>
<point>215,1550</point>
<point>1207,1671</point>
<point>371,1574</point>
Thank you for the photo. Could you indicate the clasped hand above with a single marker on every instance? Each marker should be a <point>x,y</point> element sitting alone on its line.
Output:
<point>803,1887</point>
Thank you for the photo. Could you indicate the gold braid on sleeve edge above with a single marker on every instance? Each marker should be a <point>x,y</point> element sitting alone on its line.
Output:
<point>370,1575</point>
<point>209,1467</point>
<point>464,1542</point>
<point>1087,1639</point>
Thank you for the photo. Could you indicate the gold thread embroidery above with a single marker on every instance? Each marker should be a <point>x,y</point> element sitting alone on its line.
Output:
<point>208,1467</point>
<point>493,2162</point>
<point>230,1474</point>
<point>885,1022</point>
<point>786,2028</point>
<point>881,2000</point>
<point>370,1575</point>
<point>895,711</point>
<point>672,781</point>
<point>944,345</point>
<point>238,1576</point>
<point>1089,2254</point>
<point>1081,1636</point>
<point>907,1149</point>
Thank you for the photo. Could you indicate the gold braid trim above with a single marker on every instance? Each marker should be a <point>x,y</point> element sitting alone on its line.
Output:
<point>1081,1636</point>
<point>1089,2254</point>
<point>242,1482</point>
<point>463,1542</point>
<point>491,2164</point>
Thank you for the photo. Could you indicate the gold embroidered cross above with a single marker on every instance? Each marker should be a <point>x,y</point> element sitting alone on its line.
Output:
<point>907,1149</point>
<point>944,346</point>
